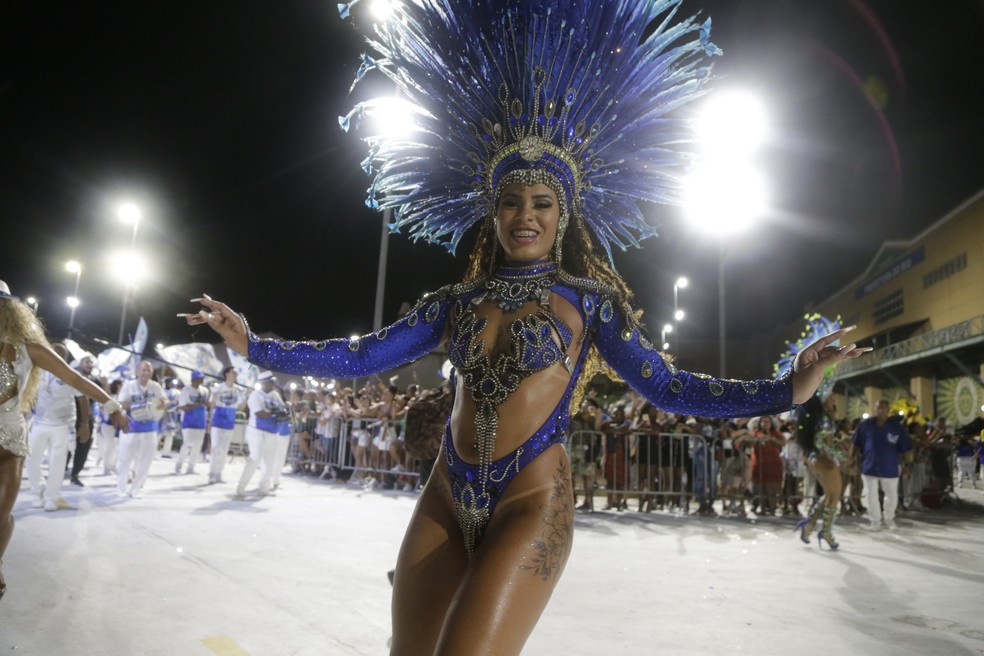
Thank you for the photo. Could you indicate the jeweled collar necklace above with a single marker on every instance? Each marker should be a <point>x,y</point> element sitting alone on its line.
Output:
<point>511,285</point>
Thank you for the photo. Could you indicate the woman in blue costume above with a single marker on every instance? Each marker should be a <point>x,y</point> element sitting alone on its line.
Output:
<point>516,131</point>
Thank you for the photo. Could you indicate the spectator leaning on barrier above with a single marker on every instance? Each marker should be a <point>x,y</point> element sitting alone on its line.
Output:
<point>884,445</point>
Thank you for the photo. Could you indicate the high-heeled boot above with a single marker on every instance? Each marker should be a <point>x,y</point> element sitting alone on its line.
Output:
<point>827,532</point>
<point>805,525</point>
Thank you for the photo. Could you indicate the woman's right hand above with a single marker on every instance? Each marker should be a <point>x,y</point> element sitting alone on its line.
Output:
<point>223,320</point>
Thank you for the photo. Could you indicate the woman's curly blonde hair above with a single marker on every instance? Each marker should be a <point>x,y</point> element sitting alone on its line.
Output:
<point>19,325</point>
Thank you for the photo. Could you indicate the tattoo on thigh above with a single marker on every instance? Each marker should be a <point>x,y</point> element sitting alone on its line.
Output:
<point>550,551</point>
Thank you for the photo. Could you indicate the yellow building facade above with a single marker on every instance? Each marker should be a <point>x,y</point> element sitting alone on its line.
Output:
<point>920,304</point>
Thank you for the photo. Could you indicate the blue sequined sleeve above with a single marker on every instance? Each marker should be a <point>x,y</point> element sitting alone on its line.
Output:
<point>412,337</point>
<point>628,351</point>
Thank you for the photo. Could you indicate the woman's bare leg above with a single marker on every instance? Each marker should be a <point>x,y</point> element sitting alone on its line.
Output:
<point>510,579</point>
<point>429,569</point>
<point>826,471</point>
<point>10,478</point>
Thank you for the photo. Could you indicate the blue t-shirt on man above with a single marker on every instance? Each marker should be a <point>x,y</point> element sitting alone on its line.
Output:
<point>881,446</point>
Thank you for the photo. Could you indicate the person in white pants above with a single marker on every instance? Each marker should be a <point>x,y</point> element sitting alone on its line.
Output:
<point>51,431</point>
<point>266,408</point>
<point>884,445</point>
<point>138,444</point>
<point>193,403</point>
<point>108,434</point>
<point>280,454</point>
<point>226,398</point>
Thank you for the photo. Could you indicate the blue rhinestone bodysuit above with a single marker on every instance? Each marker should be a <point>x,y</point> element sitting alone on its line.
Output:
<point>492,374</point>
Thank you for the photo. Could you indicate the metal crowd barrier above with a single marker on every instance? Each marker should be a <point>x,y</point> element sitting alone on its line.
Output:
<point>364,451</point>
<point>659,470</point>
<point>664,471</point>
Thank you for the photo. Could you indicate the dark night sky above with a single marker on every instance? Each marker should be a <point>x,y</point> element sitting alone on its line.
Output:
<point>220,119</point>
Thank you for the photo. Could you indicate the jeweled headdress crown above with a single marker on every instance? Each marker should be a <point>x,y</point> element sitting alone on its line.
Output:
<point>574,94</point>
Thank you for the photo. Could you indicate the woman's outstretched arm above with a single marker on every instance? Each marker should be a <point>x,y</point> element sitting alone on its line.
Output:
<point>410,338</point>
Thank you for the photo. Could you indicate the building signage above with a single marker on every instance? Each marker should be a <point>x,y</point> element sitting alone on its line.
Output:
<point>893,271</point>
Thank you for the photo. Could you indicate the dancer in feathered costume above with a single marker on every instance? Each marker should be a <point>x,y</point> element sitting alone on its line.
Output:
<point>815,420</point>
<point>543,124</point>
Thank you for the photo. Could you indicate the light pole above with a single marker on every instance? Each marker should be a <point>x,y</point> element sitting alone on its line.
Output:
<point>128,213</point>
<point>667,329</point>
<point>678,314</point>
<point>393,118</point>
<point>73,301</point>
<point>726,192</point>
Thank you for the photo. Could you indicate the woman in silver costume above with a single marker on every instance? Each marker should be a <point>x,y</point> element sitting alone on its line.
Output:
<point>24,350</point>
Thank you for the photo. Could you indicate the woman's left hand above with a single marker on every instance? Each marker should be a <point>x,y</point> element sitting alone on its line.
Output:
<point>811,362</point>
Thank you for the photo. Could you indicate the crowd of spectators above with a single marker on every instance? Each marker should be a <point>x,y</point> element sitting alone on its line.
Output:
<point>622,450</point>
<point>628,449</point>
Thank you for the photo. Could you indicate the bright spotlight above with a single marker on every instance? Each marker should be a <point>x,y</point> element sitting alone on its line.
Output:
<point>129,213</point>
<point>73,302</point>
<point>725,196</point>
<point>128,267</point>
<point>393,117</point>
<point>682,282</point>
<point>381,10</point>
<point>732,123</point>
<point>668,328</point>
<point>72,266</point>
<point>30,300</point>
<point>666,346</point>
<point>160,347</point>
<point>678,315</point>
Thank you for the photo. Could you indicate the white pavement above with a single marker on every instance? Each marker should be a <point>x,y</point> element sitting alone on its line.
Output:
<point>189,570</point>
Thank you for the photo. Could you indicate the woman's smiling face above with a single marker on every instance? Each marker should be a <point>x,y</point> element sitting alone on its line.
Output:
<point>526,221</point>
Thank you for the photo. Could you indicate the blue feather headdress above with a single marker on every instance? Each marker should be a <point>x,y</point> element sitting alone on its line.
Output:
<point>817,326</point>
<point>575,94</point>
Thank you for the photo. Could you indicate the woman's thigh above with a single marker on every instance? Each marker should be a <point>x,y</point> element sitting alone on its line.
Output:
<point>514,571</point>
<point>11,467</point>
<point>828,473</point>
<point>429,569</point>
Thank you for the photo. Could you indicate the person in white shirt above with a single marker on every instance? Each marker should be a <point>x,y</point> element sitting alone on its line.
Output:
<point>108,433</point>
<point>170,424</point>
<point>266,409</point>
<point>51,431</point>
<point>193,403</point>
<point>226,398</point>
<point>139,443</point>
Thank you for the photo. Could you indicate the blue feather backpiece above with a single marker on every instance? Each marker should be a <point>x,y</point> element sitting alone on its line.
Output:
<point>597,80</point>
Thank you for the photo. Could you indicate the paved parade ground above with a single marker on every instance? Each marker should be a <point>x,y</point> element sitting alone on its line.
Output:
<point>189,570</point>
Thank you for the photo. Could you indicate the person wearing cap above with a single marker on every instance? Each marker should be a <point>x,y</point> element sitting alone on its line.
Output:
<point>24,353</point>
<point>139,443</point>
<point>53,427</point>
<point>266,409</point>
<point>192,403</point>
<point>226,398</point>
